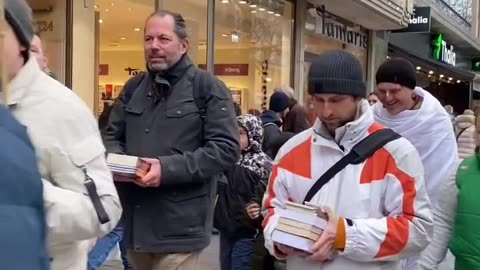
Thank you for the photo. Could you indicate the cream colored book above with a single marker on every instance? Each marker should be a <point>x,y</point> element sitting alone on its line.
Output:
<point>299,225</point>
<point>297,231</point>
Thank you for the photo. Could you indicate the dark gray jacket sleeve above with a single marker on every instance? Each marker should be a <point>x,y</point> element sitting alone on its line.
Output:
<point>221,148</point>
<point>114,133</point>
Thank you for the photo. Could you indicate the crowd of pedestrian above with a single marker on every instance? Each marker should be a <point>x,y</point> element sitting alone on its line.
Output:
<point>394,171</point>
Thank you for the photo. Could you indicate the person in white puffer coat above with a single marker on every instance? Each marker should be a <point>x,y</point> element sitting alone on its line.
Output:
<point>465,133</point>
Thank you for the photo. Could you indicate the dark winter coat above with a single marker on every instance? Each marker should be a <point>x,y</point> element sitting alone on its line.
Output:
<point>161,120</point>
<point>22,217</point>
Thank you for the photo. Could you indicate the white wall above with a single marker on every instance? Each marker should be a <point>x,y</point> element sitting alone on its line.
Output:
<point>83,58</point>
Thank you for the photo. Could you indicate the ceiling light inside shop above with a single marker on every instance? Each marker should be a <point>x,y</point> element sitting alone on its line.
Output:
<point>418,68</point>
<point>235,38</point>
<point>253,5</point>
<point>242,2</point>
<point>270,12</point>
<point>113,4</point>
<point>107,10</point>
<point>123,38</point>
<point>100,21</point>
<point>268,79</point>
<point>450,78</point>
<point>224,35</point>
<point>224,1</point>
<point>441,75</point>
<point>458,81</point>
<point>253,11</point>
<point>278,15</point>
<point>96,6</point>
<point>136,29</point>
<point>430,72</point>
<point>261,9</point>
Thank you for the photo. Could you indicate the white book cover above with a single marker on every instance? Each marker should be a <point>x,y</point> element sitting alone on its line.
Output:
<point>294,241</point>
<point>122,160</point>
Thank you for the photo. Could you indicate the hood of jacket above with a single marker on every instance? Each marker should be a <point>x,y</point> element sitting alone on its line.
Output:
<point>464,121</point>
<point>253,157</point>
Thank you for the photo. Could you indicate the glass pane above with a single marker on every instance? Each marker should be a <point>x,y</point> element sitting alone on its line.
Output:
<point>253,48</point>
<point>121,45</point>
<point>195,14</point>
<point>50,22</point>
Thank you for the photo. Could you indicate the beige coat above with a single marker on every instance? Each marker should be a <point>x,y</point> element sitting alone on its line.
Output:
<point>66,137</point>
<point>466,140</point>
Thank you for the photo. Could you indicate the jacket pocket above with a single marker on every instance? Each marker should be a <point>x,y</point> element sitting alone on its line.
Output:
<point>83,152</point>
<point>184,214</point>
<point>181,110</point>
<point>135,109</point>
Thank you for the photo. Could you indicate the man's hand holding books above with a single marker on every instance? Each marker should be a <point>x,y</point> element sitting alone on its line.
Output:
<point>307,231</point>
<point>145,172</point>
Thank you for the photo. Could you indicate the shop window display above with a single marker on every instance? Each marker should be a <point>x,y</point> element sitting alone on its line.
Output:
<point>253,48</point>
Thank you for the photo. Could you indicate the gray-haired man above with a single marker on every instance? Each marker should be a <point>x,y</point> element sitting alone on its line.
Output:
<point>188,137</point>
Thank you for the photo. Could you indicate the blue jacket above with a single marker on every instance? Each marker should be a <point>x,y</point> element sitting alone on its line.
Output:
<point>22,217</point>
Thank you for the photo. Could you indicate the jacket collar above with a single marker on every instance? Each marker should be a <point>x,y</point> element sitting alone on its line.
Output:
<point>19,86</point>
<point>175,73</point>
<point>348,135</point>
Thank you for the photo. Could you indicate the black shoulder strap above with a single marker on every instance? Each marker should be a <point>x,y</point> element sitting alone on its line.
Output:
<point>200,91</point>
<point>131,85</point>
<point>460,133</point>
<point>359,153</point>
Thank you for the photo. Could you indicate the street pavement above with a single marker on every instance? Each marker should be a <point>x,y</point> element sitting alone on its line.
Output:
<point>209,259</point>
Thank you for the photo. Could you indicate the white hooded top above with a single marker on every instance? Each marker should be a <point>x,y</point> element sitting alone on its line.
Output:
<point>430,130</point>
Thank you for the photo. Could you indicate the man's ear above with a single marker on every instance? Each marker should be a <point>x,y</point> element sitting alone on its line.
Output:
<point>185,45</point>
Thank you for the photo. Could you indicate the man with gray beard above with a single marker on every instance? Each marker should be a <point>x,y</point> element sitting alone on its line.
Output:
<point>182,121</point>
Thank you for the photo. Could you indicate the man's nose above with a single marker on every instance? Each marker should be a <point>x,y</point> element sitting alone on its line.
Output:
<point>327,111</point>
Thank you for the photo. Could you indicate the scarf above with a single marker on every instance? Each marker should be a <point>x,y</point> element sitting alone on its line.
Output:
<point>430,130</point>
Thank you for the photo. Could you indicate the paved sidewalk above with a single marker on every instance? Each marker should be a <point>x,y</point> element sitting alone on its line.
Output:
<point>209,259</point>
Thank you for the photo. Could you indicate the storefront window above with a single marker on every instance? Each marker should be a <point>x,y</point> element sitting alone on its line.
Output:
<point>253,48</point>
<point>50,21</point>
<point>121,39</point>
<point>324,32</point>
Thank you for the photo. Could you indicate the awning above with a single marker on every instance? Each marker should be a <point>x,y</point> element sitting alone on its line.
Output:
<point>371,14</point>
<point>430,64</point>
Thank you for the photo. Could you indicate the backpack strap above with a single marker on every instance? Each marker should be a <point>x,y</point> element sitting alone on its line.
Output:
<point>131,85</point>
<point>200,86</point>
<point>461,132</point>
<point>359,153</point>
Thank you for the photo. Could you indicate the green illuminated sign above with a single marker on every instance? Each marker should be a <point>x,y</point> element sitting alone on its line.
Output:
<point>442,52</point>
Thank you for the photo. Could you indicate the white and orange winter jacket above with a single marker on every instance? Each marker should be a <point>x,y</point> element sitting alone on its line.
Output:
<point>383,202</point>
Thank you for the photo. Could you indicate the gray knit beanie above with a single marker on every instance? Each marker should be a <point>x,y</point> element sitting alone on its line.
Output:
<point>19,16</point>
<point>336,72</point>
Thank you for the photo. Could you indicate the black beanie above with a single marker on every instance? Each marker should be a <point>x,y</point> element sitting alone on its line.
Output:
<point>18,14</point>
<point>399,71</point>
<point>336,72</point>
<point>279,101</point>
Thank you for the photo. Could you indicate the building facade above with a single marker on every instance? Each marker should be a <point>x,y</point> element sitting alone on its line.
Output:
<point>254,46</point>
<point>442,41</point>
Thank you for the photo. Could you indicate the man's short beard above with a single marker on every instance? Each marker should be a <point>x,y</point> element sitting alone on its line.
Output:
<point>162,68</point>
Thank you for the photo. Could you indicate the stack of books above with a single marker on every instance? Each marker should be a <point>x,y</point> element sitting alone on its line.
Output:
<point>299,226</point>
<point>127,168</point>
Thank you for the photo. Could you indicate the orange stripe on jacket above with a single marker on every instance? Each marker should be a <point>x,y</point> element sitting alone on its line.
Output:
<point>375,169</point>
<point>297,161</point>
